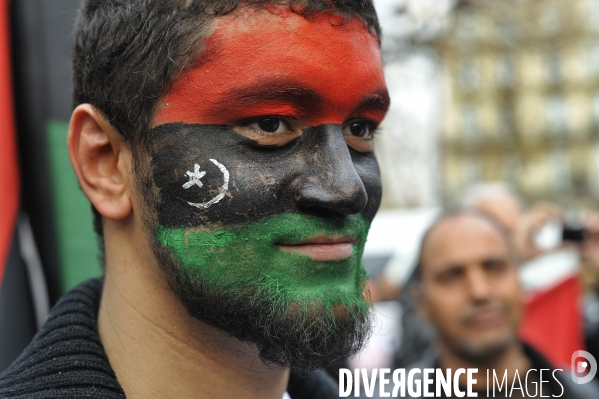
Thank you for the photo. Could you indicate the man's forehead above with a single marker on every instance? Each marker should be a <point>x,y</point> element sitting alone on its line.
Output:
<point>280,18</point>
<point>339,59</point>
<point>463,238</point>
<point>248,18</point>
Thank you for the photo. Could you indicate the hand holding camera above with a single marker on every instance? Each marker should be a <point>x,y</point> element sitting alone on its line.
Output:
<point>539,230</point>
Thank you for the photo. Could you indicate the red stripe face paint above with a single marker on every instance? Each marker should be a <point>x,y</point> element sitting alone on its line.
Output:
<point>316,71</point>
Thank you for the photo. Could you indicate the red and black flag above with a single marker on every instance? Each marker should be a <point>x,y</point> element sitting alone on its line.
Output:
<point>48,210</point>
<point>9,174</point>
<point>14,334</point>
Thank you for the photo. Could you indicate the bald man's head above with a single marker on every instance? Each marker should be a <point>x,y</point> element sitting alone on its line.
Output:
<point>446,223</point>
<point>469,288</point>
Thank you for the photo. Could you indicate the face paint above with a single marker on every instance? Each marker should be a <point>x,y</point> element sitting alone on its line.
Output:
<point>209,254</point>
<point>315,174</point>
<point>195,179</point>
<point>311,70</point>
<point>235,202</point>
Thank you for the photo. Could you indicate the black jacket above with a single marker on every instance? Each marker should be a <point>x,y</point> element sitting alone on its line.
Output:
<point>67,360</point>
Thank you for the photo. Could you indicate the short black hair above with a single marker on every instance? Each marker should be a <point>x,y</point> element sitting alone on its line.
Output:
<point>127,53</point>
<point>417,273</point>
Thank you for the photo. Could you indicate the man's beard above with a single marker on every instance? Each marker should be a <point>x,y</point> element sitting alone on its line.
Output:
<point>487,354</point>
<point>301,336</point>
<point>483,353</point>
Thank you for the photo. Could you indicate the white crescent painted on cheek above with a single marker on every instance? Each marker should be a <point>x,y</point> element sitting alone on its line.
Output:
<point>223,189</point>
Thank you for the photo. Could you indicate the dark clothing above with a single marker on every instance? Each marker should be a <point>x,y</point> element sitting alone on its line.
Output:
<point>591,323</point>
<point>67,360</point>
<point>563,387</point>
<point>416,335</point>
<point>17,315</point>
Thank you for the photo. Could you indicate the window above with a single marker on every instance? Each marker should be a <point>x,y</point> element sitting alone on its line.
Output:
<point>468,75</point>
<point>471,171</point>
<point>512,169</point>
<point>505,70</point>
<point>555,109</point>
<point>550,20</point>
<point>554,68</point>
<point>508,125</point>
<point>507,31</point>
<point>594,58</point>
<point>470,124</point>
<point>594,175</point>
<point>593,12</point>
<point>467,26</point>
<point>560,173</point>
<point>596,108</point>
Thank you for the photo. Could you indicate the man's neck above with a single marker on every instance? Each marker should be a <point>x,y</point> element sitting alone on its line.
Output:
<point>512,359</point>
<point>157,350</point>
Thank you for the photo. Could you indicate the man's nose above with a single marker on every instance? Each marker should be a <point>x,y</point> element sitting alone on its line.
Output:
<point>330,180</point>
<point>478,285</point>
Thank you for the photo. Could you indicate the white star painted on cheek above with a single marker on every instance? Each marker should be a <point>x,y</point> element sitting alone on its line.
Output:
<point>194,178</point>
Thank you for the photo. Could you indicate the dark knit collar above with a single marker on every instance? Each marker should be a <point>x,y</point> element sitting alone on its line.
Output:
<point>67,360</point>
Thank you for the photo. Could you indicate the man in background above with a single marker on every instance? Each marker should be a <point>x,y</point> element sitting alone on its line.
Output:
<point>468,289</point>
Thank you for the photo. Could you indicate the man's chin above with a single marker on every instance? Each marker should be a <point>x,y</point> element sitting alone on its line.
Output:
<point>484,351</point>
<point>301,335</point>
<point>316,336</point>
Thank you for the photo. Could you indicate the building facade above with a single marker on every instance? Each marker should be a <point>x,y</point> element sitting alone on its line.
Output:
<point>520,84</point>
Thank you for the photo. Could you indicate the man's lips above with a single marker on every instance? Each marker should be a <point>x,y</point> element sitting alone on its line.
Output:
<point>322,248</point>
<point>486,318</point>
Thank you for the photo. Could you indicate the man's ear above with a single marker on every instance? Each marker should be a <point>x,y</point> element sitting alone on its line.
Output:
<point>102,162</point>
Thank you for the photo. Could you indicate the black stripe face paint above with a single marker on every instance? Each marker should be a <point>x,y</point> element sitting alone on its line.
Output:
<point>316,174</point>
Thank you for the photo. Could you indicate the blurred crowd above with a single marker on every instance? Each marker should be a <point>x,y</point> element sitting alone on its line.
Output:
<point>465,303</point>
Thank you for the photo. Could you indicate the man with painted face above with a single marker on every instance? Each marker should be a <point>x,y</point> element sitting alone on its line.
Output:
<point>226,148</point>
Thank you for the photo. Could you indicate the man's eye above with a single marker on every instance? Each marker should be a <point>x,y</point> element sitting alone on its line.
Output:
<point>495,265</point>
<point>269,131</point>
<point>450,275</point>
<point>270,125</point>
<point>360,129</point>
<point>359,134</point>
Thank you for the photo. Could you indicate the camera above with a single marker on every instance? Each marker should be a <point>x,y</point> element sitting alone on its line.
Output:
<point>554,233</point>
<point>574,234</point>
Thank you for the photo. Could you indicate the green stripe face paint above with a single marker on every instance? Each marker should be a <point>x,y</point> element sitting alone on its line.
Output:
<point>247,255</point>
<point>299,312</point>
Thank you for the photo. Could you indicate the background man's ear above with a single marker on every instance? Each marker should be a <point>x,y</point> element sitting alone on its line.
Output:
<point>102,162</point>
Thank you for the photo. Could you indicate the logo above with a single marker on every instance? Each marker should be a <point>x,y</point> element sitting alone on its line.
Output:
<point>583,367</point>
<point>445,383</point>
<point>195,180</point>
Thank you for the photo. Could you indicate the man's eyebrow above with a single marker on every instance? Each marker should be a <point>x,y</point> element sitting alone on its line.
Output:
<point>379,101</point>
<point>449,266</point>
<point>301,96</point>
